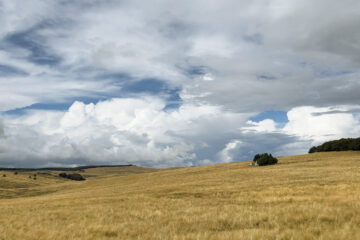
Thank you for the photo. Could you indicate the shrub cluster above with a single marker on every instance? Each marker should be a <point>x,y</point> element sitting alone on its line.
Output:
<point>344,144</point>
<point>72,176</point>
<point>265,159</point>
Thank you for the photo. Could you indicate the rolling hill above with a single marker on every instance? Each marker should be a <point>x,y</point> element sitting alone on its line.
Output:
<point>314,196</point>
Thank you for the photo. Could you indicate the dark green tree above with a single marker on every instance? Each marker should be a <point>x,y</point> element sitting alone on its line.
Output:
<point>265,159</point>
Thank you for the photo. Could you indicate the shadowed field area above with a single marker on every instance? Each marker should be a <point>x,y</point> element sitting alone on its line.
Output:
<point>313,196</point>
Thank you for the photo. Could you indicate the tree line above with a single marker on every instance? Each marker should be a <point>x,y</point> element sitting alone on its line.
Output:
<point>344,144</point>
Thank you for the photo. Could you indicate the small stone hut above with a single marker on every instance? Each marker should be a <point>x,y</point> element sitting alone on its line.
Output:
<point>253,163</point>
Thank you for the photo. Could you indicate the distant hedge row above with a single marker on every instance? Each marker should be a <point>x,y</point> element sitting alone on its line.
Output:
<point>344,144</point>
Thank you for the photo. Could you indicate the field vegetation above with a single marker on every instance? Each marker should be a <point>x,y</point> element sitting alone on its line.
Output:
<point>314,196</point>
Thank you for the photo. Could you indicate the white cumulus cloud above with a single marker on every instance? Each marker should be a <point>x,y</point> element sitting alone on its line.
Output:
<point>229,153</point>
<point>313,124</point>
<point>117,131</point>
<point>266,125</point>
<point>322,124</point>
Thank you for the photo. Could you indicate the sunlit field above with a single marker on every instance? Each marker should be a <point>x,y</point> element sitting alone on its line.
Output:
<point>314,196</point>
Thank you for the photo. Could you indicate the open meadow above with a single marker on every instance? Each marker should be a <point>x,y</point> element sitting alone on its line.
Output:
<point>314,196</point>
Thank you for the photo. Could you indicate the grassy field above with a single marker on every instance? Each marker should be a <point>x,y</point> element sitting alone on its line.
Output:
<point>313,196</point>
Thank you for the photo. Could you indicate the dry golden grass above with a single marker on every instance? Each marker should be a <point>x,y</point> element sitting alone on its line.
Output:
<point>303,197</point>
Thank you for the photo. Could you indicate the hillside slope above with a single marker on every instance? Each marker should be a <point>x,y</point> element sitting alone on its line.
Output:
<point>312,196</point>
<point>24,184</point>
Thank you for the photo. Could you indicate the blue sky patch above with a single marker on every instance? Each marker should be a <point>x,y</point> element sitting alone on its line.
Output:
<point>152,86</point>
<point>155,87</point>
<point>130,89</point>
<point>277,116</point>
<point>39,106</point>
<point>174,100</point>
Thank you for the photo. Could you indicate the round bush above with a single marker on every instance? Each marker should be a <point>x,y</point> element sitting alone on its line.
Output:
<point>265,159</point>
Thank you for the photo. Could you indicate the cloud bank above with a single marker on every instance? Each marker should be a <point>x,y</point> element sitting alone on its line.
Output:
<point>118,131</point>
<point>139,131</point>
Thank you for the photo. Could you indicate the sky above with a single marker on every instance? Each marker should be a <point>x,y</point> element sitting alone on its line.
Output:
<point>174,83</point>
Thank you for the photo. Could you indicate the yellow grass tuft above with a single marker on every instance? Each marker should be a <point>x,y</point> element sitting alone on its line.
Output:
<point>312,196</point>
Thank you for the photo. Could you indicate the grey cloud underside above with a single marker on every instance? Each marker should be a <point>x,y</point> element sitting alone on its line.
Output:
<point>352,111</point>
